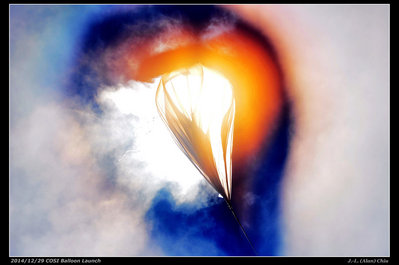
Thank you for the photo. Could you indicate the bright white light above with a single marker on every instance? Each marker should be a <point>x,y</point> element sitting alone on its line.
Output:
<point>152,145</point>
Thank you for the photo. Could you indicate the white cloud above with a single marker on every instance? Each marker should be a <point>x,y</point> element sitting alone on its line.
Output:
<point>152,159</point>
<point>336,200</point>
<point>59,202</point>
<point>66,201</point>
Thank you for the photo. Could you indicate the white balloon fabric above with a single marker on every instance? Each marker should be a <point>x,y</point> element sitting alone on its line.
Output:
<point>198,107</point>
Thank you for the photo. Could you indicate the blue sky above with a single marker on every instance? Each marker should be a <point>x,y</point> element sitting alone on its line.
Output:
<point>84,175</point>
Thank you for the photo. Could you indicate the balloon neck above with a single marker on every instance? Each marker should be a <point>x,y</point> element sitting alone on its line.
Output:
<point>228,203</point>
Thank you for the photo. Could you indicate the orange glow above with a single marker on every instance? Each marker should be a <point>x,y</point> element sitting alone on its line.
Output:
<point>249,68</point>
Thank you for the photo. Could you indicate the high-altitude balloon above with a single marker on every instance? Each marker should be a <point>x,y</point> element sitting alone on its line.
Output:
<point>198,106</point>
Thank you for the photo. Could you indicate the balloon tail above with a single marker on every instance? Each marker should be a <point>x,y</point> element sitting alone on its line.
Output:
<point>242,228</point>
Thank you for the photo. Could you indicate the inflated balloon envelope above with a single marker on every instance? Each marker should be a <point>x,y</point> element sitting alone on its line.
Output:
<point>197,105</point>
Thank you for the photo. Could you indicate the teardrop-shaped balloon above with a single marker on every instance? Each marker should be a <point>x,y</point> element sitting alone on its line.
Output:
<point>198,106</point>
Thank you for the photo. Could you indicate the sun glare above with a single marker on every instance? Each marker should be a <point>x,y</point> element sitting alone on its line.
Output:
<point>198,107</point>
